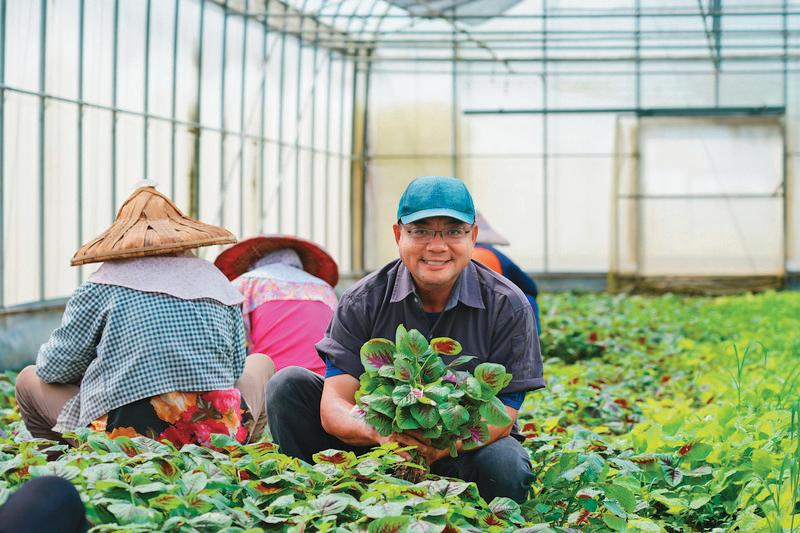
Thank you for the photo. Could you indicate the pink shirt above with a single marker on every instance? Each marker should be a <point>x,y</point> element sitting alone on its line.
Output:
<point>286,312</point>
<point>287,331</point>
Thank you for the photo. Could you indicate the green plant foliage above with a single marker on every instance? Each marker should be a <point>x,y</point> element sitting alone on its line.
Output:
<point>688,420</point>
<point>429,395</point>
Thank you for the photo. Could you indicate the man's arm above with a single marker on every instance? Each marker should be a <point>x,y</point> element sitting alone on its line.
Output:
<point>338,398</point>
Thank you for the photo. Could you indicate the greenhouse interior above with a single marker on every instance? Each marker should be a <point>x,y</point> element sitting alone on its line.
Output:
<point>652,384</point>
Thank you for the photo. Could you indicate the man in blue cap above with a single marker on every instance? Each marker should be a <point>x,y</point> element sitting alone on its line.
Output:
<point>438,290</point>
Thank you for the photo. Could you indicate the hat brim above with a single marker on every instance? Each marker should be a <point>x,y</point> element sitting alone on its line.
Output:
<point>240,258</point>
<point>467,218</point>
<point>149,224</point>
<point>486,233</point>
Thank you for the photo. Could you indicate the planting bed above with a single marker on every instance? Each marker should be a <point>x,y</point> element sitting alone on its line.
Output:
<point>661,414</point>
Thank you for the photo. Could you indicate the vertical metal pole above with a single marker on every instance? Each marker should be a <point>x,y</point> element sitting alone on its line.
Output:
<point>81,24</point>
<point>640,214</point>
<point>454,103</point>
<point>242,141</point>
<point>282,77</point>
<point>194,207</point>
<point>786,152</point>
<point>638,202</point>
<point>42,89</point>
<point>364,152</point>
<point>612,278</point>
<point>2,153</point>
<point>146,86</point>
<point>312,151</point>
<point>637,54</point>
<point>174,96</point>
<point>222,116</point>
<point>545,145</point>
<point>353,162</point>
<point>263,100</point>
<point>341,159</point>
<point>326,193</point>
<point>114,65</point>
<point>298,116</point>
<point>716,28</point>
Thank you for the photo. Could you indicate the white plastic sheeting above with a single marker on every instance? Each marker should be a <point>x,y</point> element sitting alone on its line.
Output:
<point>709,198</point>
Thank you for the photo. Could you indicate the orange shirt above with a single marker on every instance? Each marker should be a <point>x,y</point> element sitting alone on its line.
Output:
<point>488,259</point>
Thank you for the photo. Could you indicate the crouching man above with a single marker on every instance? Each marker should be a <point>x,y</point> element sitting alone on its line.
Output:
<point>438,290</point>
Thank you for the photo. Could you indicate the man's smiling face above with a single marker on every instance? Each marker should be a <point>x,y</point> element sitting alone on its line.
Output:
<point>435,265</point>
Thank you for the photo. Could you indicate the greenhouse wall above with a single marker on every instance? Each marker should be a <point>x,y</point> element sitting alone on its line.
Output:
<point>248,126</point>
<point>546,138</point>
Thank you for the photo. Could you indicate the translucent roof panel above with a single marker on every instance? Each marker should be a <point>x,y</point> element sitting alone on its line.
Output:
<point>471,12</point>
<point>518,31</point>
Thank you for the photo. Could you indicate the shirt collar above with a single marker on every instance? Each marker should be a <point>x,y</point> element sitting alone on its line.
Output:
<point>466,290</point>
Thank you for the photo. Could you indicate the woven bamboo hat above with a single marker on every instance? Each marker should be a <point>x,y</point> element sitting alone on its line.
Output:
<point>147,224</point>
<point>241,257</point>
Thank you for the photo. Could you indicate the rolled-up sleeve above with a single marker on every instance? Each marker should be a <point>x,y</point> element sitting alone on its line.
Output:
<point>515,345</point>
<point>65,357</point>
<point>346,333</point>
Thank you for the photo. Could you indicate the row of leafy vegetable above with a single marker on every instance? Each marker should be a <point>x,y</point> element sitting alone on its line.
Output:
<point>661,414</point>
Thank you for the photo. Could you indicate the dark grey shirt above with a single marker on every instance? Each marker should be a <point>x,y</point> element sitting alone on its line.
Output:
<point>486,313</point>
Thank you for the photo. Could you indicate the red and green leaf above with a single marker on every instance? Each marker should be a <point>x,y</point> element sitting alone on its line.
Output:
<point>381,423</point>
<point>453,415</point>
<point>475,435</point>
<point>404,420</point>
<point>404,395</point>
<point>433,369</point>
<point>493,375</point>
<point>389,524</point>
<point>426,415</point>
<point>336,457</point>
<point>382,404</point>
<point>494,413</point>
<point>445,346</point>
<point>376,353</point>
<point>460,360</point>
<point>413,343</point>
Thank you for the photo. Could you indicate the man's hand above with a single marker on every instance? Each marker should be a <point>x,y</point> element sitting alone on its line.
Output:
<point>403,439</point>
<point>431,453</point>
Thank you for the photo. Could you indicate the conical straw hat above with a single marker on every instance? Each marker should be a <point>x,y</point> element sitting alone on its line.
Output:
<point>486,233</point>
<point>148,223</point>
<point>241,257</point>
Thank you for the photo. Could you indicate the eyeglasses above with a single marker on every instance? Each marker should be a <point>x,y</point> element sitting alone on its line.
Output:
<point>449,235</point>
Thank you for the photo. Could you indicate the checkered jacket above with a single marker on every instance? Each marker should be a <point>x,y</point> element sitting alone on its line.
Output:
<point>122,345</point>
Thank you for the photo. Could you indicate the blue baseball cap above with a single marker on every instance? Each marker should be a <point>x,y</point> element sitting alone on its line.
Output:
<point>436,196</point>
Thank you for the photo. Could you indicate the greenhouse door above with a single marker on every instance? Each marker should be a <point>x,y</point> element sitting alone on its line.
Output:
<point>710,197</point>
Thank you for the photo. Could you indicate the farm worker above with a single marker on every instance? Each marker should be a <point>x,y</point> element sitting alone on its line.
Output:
<point>436,289</point>
<point>46,503</point>
<point>152,343</point>
<point>287,284</point>
<point>493,258</point>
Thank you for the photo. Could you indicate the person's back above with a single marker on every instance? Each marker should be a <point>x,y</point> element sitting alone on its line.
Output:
<point>287,285</point>
<point>487,254</point>
<point>152,343</point>
<point>292,318</point>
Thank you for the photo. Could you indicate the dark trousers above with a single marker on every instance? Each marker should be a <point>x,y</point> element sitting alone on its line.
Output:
<point>47,504</point>
<point>502,468</point>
